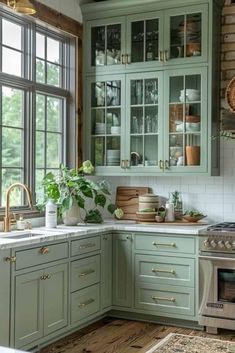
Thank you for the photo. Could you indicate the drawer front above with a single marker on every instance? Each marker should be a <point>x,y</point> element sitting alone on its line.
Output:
<point>85,272</point>
<point>41,255</point>
<point>161,299</point>
<point>84,246</point>
<point>164,270</point>
<point>85,302</point>
<point>163,243</point>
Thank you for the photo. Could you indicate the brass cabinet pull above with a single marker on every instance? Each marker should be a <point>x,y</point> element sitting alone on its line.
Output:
<point>161,164</point>
<point>166,164</point>
<point>128,61</point>
<point>88,245</point>
<point>163,271</point>
<point>166,58</point>
<point>127,163</point>
<point>86,273</point>
<point>44,250</point>
<point>11,259</point>
<point>160,56</point>
<point>123,164</point>
<point>165,298</point>
<point>105,237</point>
<point>48,276</point>
<point>87,302</point>
<point>123,59</point>
<point>163,244</point>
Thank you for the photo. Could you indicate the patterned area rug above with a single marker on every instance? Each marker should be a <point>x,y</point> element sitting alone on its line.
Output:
<point>177,343</point>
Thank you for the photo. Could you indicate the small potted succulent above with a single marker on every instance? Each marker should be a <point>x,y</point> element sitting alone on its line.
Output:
<point>70,190</point>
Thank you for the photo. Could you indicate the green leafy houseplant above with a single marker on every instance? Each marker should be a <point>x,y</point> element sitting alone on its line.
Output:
<point>71,185</point>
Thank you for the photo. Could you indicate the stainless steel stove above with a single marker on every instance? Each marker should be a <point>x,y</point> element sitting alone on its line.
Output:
<point>218,238</point>
<point>217,277</point>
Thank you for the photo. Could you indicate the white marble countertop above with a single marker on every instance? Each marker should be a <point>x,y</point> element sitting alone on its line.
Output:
<point>38,235</point>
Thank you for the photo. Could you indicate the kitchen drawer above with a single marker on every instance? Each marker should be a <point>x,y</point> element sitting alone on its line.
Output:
<point>85,272</point>
<point>85,302</point>
<point>40,255</point>
<point>164,270</point>
<point>84,246</point>
<point>163,243</point>
<point>160,299</point>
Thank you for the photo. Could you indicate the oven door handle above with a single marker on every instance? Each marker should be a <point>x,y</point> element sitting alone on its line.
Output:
<point>203,257</point>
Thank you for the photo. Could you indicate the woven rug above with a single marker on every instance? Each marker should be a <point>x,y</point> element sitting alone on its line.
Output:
<point>177,343</point>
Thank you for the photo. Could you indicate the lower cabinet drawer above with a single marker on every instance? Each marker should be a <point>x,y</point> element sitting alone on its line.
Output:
<point>176,271</point>
<point>84,246</point>
<point>170,300</point>
<point>41,255</point>
<point>85,272</point>
<point>85,302</point>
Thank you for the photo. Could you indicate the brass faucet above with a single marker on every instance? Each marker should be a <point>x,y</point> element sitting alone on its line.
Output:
<point>7,221</point>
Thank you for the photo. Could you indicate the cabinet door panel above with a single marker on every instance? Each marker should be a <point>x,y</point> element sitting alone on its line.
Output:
<point>186,107</point>
<point>4,298</point>
<point>85,272</point>
<point>55,298</point>
<point>144,39</point>
<point>144,128</point>
<point>185,34</point>
<point>105,125</point>
<point>122,270</point>
<point>28,308</point>
<point>106,44</point>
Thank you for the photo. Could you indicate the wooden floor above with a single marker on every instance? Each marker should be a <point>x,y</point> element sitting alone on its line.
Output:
<point>122,336</point>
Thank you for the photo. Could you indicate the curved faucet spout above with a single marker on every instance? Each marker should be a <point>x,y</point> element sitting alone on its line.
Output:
<point>7,223</point>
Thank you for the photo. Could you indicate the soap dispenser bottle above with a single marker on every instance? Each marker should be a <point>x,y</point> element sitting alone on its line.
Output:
<point>51,214</point>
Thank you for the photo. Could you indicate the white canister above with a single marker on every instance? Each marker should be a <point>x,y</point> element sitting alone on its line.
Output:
<point>51,215</point>
<point>170,216</point>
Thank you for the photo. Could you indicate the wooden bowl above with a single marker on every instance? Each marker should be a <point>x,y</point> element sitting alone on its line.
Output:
<point>193,219</point>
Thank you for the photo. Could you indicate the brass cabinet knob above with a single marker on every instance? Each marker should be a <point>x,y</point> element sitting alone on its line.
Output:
<point>44,250</point>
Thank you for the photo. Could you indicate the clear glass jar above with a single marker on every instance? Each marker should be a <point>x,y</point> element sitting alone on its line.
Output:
<point>175,197</point>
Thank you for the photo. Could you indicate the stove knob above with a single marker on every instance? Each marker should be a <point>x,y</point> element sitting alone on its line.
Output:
<point>213,243</point>
<point>220,244</point>
<point>206,243</point>
<point>228,245</point>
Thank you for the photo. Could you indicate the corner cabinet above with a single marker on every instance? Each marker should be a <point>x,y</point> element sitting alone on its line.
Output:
<point>152,99</point>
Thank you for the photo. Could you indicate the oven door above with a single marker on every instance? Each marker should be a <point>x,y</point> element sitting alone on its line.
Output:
<point>217,287</point>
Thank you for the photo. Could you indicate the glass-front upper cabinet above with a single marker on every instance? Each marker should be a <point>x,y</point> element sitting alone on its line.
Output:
<point>106,44</point>
<point>185,35</point>
<point>106,122</point>
<point>144,38</point>
<point>187,124</point>
<point>144,122</point>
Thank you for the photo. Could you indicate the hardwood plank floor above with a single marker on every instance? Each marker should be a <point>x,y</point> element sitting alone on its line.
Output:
<point>122,336</point>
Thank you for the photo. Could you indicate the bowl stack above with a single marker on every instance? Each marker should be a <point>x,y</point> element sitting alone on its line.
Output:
<point>113,157</point>
<point>148,201</point>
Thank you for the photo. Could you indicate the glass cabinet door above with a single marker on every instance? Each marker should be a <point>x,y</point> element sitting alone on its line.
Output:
<point>144,38</point>
<point>187,125</point>
<point>106,43</point>
<point>145,120</point>
<point>106,99</point>
<point>186,32</point>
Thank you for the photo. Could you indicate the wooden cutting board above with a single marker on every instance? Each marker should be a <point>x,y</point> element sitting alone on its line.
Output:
<point>127,198</point>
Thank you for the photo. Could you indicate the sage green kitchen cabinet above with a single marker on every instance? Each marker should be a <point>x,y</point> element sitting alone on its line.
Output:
<point>145,39</point>
<point>166,126</point>
<point>5,267</point>
<point>40,303</point>
<point>122,270</point>
<point>106,271</point>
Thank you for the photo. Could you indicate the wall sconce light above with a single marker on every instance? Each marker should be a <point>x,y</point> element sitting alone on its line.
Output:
<point>22,6</point>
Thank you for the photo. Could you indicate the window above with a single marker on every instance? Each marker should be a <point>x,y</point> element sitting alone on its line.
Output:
<point>35,93</point>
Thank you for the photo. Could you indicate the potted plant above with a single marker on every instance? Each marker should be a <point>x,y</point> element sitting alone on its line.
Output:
<point>70,190</point>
